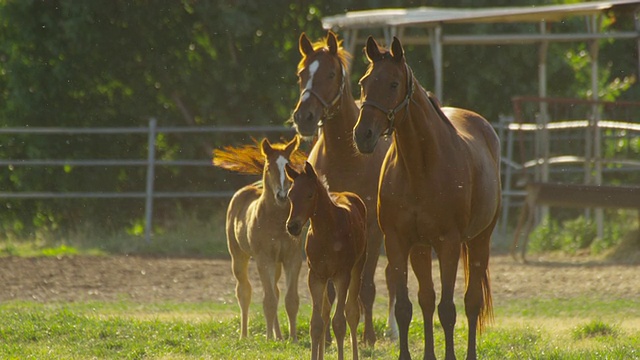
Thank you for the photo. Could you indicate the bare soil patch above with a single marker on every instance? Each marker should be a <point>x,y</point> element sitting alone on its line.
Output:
<point>145,280</point>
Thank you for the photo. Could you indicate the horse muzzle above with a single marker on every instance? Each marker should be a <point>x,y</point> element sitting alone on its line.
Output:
<point>306,122</point>
<point>294,228</point>
<point>365,140</point>
<point>281,197</point>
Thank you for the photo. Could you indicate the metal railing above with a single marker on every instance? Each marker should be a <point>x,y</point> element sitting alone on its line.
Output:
<point>150,162</point>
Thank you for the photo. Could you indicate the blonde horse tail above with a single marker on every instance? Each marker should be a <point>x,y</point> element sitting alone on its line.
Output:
<point>486,311</point>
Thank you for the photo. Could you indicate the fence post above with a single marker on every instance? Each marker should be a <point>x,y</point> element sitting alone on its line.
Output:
<point>151,158</point>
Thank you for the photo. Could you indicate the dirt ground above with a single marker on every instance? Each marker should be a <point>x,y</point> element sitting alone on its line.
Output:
<point>144,280</point>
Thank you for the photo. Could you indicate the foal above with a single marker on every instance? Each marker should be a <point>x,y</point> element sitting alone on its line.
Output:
<point>336,251</point>
<point>256,228</point>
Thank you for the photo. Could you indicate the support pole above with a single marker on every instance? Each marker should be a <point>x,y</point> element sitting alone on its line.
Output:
<point>543,119</point>
<point>151,158</point>
<point>435,35</point>
<point>594,27</point>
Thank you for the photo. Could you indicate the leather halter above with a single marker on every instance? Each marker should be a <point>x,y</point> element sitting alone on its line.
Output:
<point>326,106</point>
<point>391,113</point>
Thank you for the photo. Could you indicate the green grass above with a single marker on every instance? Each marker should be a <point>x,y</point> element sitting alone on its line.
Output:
<point>523,329</point>
<point>186,235</point>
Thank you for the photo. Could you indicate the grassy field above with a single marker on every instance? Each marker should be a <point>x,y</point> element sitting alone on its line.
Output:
<point>524,329</point>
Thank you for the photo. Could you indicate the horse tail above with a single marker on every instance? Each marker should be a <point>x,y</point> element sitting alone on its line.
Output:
<point>486,311</point>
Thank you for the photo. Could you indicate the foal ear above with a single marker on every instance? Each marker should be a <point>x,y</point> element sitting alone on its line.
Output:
<point>265,147</point>
<point>332,43</point>
<point>304,45</point>
<point>292,174</point>
<point>397,52</point>
<point>371,50</point>
<point>308,169</point>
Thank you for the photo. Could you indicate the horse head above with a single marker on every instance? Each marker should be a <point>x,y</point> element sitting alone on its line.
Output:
<point>302,196</point>
<point>276,158</point>
<point>386,90</point>
<point>322,78</point>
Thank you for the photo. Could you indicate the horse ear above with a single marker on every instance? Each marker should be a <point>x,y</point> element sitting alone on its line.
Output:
<point>396,49</point>
<point>371,50</point>
<point>304,45</point>
<point>308,169</point>
<point>292,174</point>
<point>265,147</point>
<point>292,145</point>
<point>332,43</point>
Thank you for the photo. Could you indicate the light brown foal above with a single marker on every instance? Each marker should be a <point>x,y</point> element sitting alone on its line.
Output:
<point>256,227</point>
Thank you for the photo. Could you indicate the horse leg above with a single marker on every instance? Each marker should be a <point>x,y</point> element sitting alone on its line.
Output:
<point>276,290</point>
<point>448,255</point>
<point>326,314</point>
<point>338,322</point>
<point>477,298</point>
<point>392,323</point>
<point>317,289</point>
<point>331,297</point>
<point>240,268</point>
<point>420,257</point>
<point>396,272</point>
<point>267,271</point>
<point>292,299</point>
<point>368,288</point>
<point>352,307</point>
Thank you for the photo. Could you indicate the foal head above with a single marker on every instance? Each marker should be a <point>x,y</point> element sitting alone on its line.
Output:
<point>386,89</point>
<point>303,196</point>
<point>276,157</point>
<point>322,77</point>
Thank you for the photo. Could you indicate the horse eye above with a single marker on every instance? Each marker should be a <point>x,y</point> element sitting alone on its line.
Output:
<point>394,84</point>
<point>332,75</point>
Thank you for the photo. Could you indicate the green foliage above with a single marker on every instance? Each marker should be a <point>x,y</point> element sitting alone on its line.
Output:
<point>184,235</point>
<point>574,235</point>
<point>118,63</point>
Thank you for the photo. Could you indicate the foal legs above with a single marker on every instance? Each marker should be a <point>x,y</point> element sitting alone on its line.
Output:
<point>268,276</point>
<point>352,307</point>
<point>319,315</point>
<point>339,319</point>
<point>240,267</point>
<point>292,299</point>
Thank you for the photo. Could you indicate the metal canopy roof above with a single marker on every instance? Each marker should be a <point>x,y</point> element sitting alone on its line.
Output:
<point>394,22</point>
<point>431,16</point>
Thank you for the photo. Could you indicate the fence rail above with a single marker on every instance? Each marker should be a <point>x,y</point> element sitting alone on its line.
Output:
<point>150,162</point>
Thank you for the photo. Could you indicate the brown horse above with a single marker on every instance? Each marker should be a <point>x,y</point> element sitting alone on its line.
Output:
<point>336,251</point>
<point>326,102</point>
<point>256,227</point>
<point>439,189</point>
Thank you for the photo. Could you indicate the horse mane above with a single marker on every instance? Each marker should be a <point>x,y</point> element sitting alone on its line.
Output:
<point>436,106</point>
<point>248,159</point>
<point>343,55</point>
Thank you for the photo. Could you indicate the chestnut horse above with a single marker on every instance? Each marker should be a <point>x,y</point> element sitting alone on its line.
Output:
<point>256,227</point>
<point>336,251</point>
<point>439,189</point>
<point>326,103</point>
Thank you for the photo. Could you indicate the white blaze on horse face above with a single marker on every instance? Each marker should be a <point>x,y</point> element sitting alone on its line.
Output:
<point>281,162</point>
<point>313,67</point>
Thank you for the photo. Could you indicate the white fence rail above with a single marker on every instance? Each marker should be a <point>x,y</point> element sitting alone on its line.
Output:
<point>150,162</point>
